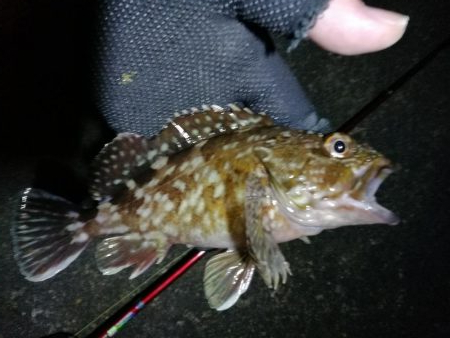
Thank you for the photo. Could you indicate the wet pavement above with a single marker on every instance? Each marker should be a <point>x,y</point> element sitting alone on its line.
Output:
<point>365,281</point>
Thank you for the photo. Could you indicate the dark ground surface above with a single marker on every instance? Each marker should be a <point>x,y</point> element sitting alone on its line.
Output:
<point>372,281</point>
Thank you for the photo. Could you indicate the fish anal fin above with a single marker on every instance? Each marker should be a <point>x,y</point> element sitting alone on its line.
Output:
<point>227,277</point>
<point>262,245</point>
<point>117,253</point>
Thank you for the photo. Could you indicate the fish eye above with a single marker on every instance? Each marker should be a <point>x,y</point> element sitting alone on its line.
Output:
<point>338,145</point>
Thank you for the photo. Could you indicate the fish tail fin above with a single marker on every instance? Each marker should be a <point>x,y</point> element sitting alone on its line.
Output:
<point>48,234</point>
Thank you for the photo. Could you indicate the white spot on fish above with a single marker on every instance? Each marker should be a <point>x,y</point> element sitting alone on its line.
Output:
<point>139,193</point>
<point>195,195</point>
<point>169,171</point>
<point>160,162</point>
<point>240,195</point>
<point>153,183</point>
<point>266,153</point>
<point>134,236</point>
<point>80,238</point>
<point>116,217</point>
<point>256,119</point>
<point>145,213</point>
<point>234,107</point>
<point>195,132</point>
<point>253,138</point>
<point>147,198</point>
<point>131,184</point>
<point>168,205</point>
<point>184,166</point>
<point>213,177</point>
<point>158,218</point>
<point>146,244</point>
<point>164,147</point>
<point>219,190</point>
<point>207,130</point>
<point>143,226</point>
<point>183,206</point>
<point>215,108</point>
<point>187,217</point>
<point>74,226</point>
<point>157,197</point>
<point>243,154</point>
<point>151,154</point>
<point>201,144</point>
<point>200,207</point>
<point>231,145</point>
<point>120,229</point>
<point>180,185</point>
<point>197,161</point>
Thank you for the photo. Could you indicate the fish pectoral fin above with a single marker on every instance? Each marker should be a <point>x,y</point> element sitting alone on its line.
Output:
<point>227,277</point>
<point>262,246</point>
<point>117,253</point>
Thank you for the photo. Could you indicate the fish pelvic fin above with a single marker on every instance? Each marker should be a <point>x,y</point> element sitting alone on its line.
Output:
<point>48,234</point>
<point>117,253</point>
<point>227,277</point>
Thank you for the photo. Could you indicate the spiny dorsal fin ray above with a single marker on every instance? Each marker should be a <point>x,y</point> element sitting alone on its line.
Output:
<point>120,161</point>
<point>196,125</point>
<point>129,155</point>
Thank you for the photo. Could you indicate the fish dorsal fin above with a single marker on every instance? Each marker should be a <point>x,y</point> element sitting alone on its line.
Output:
<point>118,162</point>
<point>195,125</point>
<point>129,155</point>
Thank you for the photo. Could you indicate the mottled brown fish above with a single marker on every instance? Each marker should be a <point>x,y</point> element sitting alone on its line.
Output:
<point>221,178</point>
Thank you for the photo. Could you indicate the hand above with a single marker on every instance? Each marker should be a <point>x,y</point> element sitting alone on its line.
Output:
<point>350,27</point>
<point>162,56</point>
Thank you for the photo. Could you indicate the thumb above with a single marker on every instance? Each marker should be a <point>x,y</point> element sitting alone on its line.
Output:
<point>350,27</point>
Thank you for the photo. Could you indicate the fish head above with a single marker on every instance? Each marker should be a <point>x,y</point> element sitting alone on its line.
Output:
<point>329,181</point>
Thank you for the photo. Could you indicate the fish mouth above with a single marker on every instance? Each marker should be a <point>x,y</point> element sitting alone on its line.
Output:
<point>354,207</point>
<point>362,198</point>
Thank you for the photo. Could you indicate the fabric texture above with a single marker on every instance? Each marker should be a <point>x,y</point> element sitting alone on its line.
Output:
<point>157,57</point>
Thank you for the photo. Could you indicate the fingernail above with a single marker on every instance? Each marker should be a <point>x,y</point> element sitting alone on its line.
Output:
<point>391,18</point>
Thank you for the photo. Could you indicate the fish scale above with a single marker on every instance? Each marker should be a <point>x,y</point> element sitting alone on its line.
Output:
<point>214,177</point>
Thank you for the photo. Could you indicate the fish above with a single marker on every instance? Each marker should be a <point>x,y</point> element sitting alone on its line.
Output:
<point>214,177</point>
